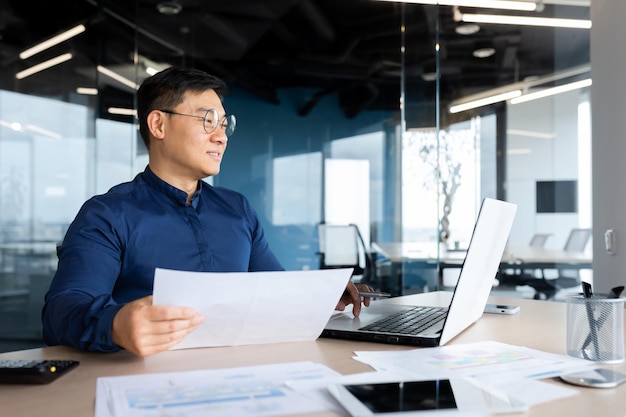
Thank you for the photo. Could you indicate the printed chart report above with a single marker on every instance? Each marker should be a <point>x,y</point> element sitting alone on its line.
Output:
<point>248,391</point>
<point>492,361</point>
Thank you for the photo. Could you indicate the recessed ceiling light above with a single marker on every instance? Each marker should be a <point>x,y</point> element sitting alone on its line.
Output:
<point>429,76</point>
<point>467,29</point>
<point>169,7</point>
<point>484,52</point>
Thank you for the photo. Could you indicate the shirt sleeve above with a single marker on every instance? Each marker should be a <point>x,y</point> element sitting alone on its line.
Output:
<point>79,307</point>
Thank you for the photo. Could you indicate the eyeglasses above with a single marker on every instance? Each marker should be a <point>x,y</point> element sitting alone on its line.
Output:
<point>211,120</point>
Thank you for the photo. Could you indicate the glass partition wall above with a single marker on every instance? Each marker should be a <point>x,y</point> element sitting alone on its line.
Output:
<point>411,177</point>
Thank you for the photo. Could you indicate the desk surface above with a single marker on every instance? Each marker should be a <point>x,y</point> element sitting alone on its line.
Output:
<point>74,393</point>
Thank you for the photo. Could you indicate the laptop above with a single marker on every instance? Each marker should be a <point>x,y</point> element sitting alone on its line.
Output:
<point>435,326</point>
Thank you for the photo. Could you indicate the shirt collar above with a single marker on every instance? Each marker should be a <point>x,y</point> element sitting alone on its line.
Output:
<point>174,193</point>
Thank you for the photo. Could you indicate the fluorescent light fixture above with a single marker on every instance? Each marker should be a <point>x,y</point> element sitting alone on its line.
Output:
<point>515,89</point>
<point>530,134</point>
<point>524,20</point>
<point>151,71</point>
<point>484,52</point>
<point>485,101</point>
<point>485,4</point>
<point>87,91</point>
<point>519,151</point>
<point>44,65</point>
<point>52,41</point>
<point>552,91</point>
<point>42,131</point>
<point>11,125</point>
<point>117,77</point>
<point>122,111</point>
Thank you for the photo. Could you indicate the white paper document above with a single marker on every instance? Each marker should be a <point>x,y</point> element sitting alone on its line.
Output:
<point>490,361</point>
<point>242,308</point>
<point>253,391</point>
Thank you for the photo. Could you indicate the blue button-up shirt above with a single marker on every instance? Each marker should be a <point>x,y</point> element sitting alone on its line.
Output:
<point>117,239</point>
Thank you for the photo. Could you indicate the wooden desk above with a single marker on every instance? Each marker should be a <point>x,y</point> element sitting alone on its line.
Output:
<point>539,325</point>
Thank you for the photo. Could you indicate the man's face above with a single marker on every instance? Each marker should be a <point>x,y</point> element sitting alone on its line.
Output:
<point>190,150</point>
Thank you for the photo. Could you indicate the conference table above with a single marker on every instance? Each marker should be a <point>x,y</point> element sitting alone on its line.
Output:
<point>539,325</point>
<point>431,255</point>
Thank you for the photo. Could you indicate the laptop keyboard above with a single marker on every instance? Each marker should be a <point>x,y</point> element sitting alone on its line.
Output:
<point>410,321</point>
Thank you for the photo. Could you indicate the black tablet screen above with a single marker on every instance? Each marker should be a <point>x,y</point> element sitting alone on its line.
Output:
<point>405,396</point>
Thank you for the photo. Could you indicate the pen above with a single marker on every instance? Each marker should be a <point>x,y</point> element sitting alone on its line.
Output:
<point>374,294</point>
<point>593,331</point>
<point>616,292</point>
<point>371,294</point>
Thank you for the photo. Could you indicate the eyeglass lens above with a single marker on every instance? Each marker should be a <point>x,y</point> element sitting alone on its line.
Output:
<point>212,120</point>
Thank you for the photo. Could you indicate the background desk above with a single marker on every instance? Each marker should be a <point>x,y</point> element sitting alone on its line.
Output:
<point>539,325</point>
<point>400,254</point>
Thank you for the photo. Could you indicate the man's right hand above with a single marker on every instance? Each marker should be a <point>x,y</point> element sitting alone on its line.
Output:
<point>145,329</point>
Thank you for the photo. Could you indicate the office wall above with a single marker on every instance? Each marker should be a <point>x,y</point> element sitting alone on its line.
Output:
<point>608,103</point>
<point>277,130</point>
<point>543,136</point>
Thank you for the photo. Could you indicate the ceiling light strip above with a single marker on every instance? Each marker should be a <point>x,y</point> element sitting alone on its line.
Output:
<point>117,77</point>
<point>485,101</point>
<point>528,6</point>
<point>524,85</point>
<point>525,21</point>
<point>552,91</point>
<point>530,134</point>
<point>42,131</point>
<point>42,66</point>
<point>87,91</point>
<point>61,37</point>
<point>122,111</point>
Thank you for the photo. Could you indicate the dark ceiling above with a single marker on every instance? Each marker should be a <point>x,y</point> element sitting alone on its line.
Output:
<point>351,48</point>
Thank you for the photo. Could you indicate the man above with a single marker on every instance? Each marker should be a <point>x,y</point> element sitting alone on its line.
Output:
<point>100,298</point>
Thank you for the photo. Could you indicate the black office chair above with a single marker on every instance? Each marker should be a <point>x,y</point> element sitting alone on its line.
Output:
<point>547,287</point>
<point>342,246</point>
<point>515,276</point>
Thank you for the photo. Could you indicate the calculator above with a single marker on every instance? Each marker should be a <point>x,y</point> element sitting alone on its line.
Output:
<point>39,371</point>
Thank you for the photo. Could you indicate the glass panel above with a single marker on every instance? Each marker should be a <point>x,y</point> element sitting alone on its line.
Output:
<point>543,143</point>
<point>59,145</point>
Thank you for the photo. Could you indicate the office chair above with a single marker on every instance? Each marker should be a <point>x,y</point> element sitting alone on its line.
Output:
<point>539,239</point>
<point>342,246</point>
<point>546,288</point>
<point>516,276</point>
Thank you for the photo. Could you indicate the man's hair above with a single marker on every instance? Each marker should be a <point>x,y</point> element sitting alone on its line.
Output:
<point>166,89</point>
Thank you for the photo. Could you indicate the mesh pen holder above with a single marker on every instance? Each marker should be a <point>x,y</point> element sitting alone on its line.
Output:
<point>595,328</point>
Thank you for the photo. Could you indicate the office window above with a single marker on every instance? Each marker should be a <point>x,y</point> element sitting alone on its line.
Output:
<point>440,172</point>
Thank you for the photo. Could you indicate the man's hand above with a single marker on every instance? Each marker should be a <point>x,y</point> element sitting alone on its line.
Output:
<point>145,329</point>
<point>351,296</point>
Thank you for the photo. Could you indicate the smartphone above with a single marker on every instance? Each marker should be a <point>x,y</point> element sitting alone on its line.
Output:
<point>501,309</point>
<point>431,396</point>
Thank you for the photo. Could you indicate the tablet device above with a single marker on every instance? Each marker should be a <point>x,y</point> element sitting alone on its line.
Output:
<point>416,398</point>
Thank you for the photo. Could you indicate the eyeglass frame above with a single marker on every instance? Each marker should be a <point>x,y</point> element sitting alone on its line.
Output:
<point>229,119</point>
